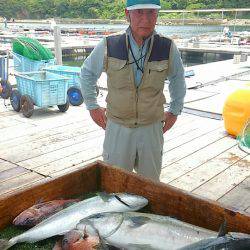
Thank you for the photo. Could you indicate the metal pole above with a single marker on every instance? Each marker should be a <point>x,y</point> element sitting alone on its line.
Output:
<point>58,47</point>
<point>235,19</point>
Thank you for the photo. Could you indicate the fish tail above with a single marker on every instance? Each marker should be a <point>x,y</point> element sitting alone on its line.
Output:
<point>5,244</point>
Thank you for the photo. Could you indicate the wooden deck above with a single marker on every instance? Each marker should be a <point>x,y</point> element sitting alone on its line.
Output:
<point>199,156</point>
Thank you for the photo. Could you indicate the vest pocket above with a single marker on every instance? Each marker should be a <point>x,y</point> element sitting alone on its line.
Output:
<point>116,64</point>
<point>118,73</point>
<point>157,73</point>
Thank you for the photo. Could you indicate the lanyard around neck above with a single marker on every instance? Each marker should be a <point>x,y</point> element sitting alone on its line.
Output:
<point>136,61</point>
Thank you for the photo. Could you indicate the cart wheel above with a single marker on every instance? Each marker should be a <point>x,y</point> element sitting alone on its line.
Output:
<point>27,105</point>
<point>5,90</point>
<point>15,98</point>
<point>75,96</point>
<point>63,107</point>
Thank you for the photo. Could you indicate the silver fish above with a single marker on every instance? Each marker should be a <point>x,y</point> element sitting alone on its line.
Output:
<point>231,241</point>
<point>133,230</point>
<point>67,219</point>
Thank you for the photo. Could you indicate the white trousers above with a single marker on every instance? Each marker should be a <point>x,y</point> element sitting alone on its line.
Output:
<point>138,149</point>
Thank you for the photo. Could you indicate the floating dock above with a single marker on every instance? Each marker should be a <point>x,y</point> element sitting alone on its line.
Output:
<point>198,157</point>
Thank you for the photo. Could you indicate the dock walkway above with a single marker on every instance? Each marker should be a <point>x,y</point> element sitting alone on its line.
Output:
<point>199,156</point>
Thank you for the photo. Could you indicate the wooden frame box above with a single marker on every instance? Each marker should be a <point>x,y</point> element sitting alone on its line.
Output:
<point>99,176</point>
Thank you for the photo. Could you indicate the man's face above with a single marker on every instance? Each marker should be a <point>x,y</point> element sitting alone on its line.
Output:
<point>142,21</point>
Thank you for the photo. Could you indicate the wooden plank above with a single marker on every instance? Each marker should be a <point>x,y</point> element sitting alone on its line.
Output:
<point>13,172</point>
<point>5,165</point>
<point>226,180</point>
<point>192,161</point>
<point>189,148</point>
<point>193,132</point>
<point>212,104</point>
<point>203,173</point>
<point>94,150</point>
<point>48,144</point>
<point>76,167</point>
<point>192,95</point>
<point>183,120</point>
<point>188,124</point>
<point>20,181</point>
<point>16,131</point>
<point>44,124</point>
<point>167,200</point>
<point>62,152</point>
<point>238,197</point>
<point>7,122</point>
<point>44,133</point>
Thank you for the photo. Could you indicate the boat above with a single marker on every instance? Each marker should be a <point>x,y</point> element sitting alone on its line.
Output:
<point>101,177</point>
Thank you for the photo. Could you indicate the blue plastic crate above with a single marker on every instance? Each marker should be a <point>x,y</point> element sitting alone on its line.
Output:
<point>23,64</point>
<point>45,88</point>
<point>70,72</point>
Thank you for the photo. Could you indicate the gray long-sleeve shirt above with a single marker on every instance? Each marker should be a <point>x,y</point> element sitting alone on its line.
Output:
<point>93,66</point>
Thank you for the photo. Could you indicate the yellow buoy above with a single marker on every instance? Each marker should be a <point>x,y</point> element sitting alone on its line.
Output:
<point>236,111</point>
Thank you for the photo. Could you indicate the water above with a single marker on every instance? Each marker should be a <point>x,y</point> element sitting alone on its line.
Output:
<point>182,31</point>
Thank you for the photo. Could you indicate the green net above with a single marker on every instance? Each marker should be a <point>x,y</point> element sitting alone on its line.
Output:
<point>31,49</point>
<point>244,138</point>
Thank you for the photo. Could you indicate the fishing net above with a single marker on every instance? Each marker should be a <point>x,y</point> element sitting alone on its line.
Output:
<point>31,49</point>
<point>244,138</point>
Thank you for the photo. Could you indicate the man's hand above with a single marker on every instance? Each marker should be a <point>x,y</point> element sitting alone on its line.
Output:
<point>99,116</point>
<point>169,121</point>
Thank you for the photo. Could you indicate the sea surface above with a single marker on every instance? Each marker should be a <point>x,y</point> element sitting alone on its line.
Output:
<point>183,31</point>
<point>180,31</point>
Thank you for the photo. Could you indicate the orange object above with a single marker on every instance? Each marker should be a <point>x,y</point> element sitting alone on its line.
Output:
<point>236,111</point>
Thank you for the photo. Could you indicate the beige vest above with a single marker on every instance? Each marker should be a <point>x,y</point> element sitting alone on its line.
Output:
<point>127,104</point>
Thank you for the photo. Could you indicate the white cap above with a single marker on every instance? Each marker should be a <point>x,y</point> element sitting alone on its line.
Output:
<point>143,6</point>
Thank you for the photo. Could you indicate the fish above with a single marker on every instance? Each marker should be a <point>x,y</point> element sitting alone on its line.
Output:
<point>230,241</point>
<point>77,240</point>
<point>35,214</point>
<point>67,219</point>
<point>90,243</point>
<point>134,230</point>
<point>71,237</point>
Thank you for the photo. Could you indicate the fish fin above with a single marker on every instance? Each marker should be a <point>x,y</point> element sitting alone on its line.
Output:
<point>104,196</point>
<point>140,247</point>
<point>139,221</point>
<point>5,244</point>
<point>223,229</point>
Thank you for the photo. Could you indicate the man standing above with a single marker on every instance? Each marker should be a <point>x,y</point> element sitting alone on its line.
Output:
<point>137,62</point>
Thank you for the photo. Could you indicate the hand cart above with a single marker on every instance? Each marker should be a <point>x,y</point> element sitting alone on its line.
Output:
<point>43,89</point>
<point>37,87</point>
